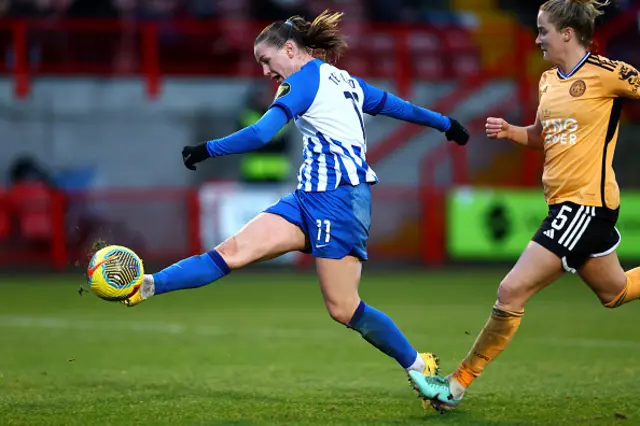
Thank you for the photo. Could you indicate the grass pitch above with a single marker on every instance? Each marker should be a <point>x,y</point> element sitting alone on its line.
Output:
<point>259,349</point>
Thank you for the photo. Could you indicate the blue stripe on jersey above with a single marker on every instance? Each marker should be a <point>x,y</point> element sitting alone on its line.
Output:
<point>315,166</point>
<point>340,172</point>
<point>362,172</point>
<point>354,162</point>
<point>331,162</point>
<point>304,174</point>
<point>343,171</point>
<point>308,185</point>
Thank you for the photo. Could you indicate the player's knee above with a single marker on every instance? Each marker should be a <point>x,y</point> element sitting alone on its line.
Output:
<point>609,300</point>
<point>340,315</point>
<point>341,312</point>
<point>231,255</point>
<point>511,293</point>
<point>610,297</point>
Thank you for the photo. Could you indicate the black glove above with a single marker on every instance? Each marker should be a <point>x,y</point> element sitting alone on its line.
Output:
<point>457,133</point>
<point>193,154</point>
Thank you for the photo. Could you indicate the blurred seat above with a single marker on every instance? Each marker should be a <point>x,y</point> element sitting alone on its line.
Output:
<point>31,204</point>
<point>429,67</point>
<point>463,53</point>
<point>5,215</point>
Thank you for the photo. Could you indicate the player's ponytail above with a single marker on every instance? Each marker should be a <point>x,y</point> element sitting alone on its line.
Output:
<point>577,14</point>
<point>321,36</point>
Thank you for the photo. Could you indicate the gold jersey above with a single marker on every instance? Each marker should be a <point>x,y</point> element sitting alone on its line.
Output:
<point>580,113</point>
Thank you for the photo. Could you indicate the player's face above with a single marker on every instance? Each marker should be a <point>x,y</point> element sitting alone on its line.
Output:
<point>276,63</point>
<point>550,40</point>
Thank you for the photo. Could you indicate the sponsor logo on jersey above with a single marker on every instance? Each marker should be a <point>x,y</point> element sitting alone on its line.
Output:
<point>283,90</point>
<point>631,76</point>
<point>561,130</point>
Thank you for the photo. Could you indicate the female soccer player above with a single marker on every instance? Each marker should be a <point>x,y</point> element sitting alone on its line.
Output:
<point>577,127</point>
<point>329,213</point>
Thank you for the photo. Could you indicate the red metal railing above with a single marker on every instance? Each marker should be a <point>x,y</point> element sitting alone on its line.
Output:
<point>161,225</point>
<point>514,65</point>
<point>510,66</point>
<point>54,229</point>
<point>616,26</point>
<point>153,50</point>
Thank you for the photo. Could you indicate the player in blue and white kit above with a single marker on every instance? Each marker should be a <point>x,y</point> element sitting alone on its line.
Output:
<point>329,214</point>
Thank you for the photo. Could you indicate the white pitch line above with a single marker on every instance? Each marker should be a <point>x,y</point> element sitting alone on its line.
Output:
<point>65,324</point>
<point>35,322</point>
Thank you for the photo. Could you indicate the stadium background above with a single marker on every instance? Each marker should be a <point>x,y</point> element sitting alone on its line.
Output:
<point>97,98</point>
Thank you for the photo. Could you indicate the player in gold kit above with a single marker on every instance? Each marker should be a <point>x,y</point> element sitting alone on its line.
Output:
<point>580,102</point>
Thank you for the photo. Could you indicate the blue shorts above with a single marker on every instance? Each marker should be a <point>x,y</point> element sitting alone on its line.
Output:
<point>336,222</point>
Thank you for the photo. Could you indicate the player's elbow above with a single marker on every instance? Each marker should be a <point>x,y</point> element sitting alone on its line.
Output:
<point>534,137</point>
<point>536,146</point>
<point>538,143</point>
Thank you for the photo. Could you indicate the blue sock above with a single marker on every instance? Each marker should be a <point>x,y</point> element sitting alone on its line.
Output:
<point>379,330</point>
<point>192,272</point>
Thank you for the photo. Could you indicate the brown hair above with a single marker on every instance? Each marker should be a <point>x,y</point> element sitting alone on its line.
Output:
<point>321,36</point>
<point>577,14</point>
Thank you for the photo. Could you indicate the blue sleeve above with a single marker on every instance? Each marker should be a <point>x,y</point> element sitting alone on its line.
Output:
<point>377,101</point>
<point>296,94</point>
<point>250,138</point>
<point>374,98</point>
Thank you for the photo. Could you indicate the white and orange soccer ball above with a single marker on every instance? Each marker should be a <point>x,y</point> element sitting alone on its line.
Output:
<point>115,273</point>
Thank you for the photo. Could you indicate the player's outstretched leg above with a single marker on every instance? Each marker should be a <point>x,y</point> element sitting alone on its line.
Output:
<point>536,268</point>
<point>265,237</point>
<point>339,280</point>
<point>193,272</point>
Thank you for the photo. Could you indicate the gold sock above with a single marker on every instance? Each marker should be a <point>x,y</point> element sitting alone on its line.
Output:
<point>492,340</point>
<point>631,290</point>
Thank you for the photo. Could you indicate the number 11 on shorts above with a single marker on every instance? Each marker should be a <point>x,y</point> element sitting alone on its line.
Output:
<point>327,230</point>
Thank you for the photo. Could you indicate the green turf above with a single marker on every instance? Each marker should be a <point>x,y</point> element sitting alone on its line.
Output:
<point>260,349</point>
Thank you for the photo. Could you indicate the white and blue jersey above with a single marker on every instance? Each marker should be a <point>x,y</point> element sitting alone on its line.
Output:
<point>328,105</point>
<point>332,204</point>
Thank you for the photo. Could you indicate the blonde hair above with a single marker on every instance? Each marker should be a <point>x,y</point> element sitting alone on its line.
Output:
<point>320,36</point>
<point>577,14</point>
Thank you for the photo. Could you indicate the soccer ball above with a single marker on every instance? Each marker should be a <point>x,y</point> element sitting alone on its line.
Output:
<point>115,273</point>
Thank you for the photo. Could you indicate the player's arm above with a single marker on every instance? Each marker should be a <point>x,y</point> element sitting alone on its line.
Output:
<point>294,97</point>
<point>377,101</point>
<point>248,139</point>
<point>529,136</point>
<point>624,82</point>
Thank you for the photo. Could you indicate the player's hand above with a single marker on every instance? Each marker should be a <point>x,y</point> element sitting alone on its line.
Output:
<point>497,128</point>
<point>457,133</point>
<point>193,154</point>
